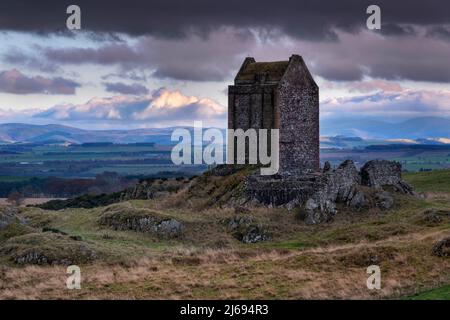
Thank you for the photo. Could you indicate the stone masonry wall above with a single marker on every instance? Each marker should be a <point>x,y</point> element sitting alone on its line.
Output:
<point>298,108</point>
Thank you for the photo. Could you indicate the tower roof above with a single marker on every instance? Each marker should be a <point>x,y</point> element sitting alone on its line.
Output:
<point>271,71</point>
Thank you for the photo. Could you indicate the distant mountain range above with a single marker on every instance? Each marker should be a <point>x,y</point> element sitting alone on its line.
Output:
<point>336,133</point>
<point>417,128</point>
<point>54,133</point>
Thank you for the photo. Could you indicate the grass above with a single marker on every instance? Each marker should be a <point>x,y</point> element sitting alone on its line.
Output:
<point>442,293</point>
<point>432,181</point>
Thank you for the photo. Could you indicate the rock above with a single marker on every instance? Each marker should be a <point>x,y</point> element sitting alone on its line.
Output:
<point>318,210</point>
<point>357,200</point>
<point>246,230</point>
<point>340,185</point>
<point>379,173</point>
<point>442,248</point>
<point>315,195</point>
<point>291,205</point>
<point>326,166</point>
<point>150,189</point>
<point>142,221</point>
<point>432,217</point>
<point>169,229</point>
<point>47,248</point>
<point>384,200</point>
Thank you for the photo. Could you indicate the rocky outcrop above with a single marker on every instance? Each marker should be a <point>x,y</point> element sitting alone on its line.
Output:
<point>151,189</point>
<point>379,173</point>
<point>47,248</point>
<point>340,185</point>
<point>142,190</point>
<point>142,221</point>
<point>433,217</point>
<point>442,248</point>
<point>246,229</point>
<point>326,167</point>
<point>384,200</point>
<point>317,195</point>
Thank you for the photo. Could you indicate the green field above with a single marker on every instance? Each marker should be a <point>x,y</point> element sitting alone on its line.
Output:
<point>12,179</point>
<point>432,181</point>
<point>442,293</point>
<point>425,160</point>
<point>85,161</point>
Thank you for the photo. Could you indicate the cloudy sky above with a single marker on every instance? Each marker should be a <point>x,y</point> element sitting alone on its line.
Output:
<point>161,63</point>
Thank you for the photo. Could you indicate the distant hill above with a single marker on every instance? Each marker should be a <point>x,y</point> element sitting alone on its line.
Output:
<point>29,133</point>
<point>417,128</point>
<point>344,133</point>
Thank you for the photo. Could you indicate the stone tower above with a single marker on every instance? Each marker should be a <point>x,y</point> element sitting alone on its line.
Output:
<point>284,96</point>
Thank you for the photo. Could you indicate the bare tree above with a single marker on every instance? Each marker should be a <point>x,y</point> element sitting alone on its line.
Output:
<point>15,198</point>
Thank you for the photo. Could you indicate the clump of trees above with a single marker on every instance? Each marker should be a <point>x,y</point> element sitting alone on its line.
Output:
<point>106,182</point>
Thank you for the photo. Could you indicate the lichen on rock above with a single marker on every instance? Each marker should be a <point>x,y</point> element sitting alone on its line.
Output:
<point>246,229</point>
<point>47,248</point>
<point>125,218</point>
<point>379,173</point>
<point>442,248</point>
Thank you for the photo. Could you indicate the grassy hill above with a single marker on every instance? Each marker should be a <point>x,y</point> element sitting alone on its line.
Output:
<point>208,261</point>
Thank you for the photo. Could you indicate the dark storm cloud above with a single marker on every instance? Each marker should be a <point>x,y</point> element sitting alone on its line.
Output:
<point>17,57</point>
<point>14,81</point>
<point>193,58</point>
<point>122,88</point>
<point>204,40</point>
<point>105,55</point>
<point>174,18</point>
<point>442,32</point>
<point>417,57</point>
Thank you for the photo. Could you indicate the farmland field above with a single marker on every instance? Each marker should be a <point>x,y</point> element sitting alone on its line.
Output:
<point>417,158</point>
<point>18,161</point>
